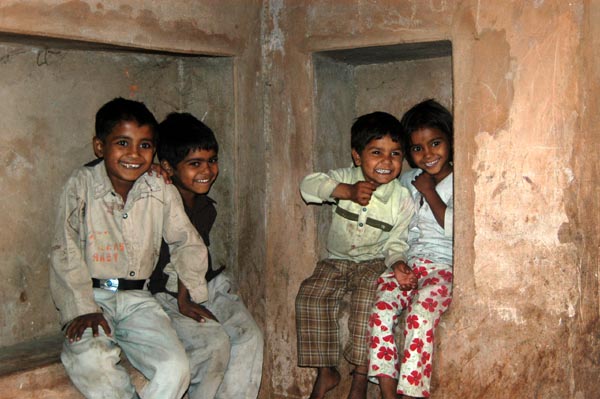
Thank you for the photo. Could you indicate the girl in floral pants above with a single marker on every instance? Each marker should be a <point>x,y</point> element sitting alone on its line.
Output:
<point>428,148</point>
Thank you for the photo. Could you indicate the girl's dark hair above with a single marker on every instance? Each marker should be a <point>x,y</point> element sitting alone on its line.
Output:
<point>121,110</point>
<point>181,133</point>
<point>427,114</point>
<point>373,126</point>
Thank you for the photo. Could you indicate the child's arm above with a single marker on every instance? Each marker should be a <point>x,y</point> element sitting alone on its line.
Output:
<point>425,184</point>
<point>321,187</point>
<point>359,192</point>
<point>189,256</point>
<point>191,309</point>
<point>395,249</point>
<point>70,280</point>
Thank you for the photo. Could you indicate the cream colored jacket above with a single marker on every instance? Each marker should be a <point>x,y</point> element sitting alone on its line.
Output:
<point>99,236</point>
<point>360,233</point>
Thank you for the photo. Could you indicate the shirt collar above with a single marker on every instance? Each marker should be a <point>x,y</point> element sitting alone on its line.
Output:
<point>383,192</point>
<point>103,185</point>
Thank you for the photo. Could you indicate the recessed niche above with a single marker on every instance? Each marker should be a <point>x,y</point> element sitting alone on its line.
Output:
<point>353,82</point>
<point>51,90</point>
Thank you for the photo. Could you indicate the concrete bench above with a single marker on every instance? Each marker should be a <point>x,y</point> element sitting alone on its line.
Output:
<point>33,370</point>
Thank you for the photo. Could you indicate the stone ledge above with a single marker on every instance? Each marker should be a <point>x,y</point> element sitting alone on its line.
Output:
<point>33,370</point>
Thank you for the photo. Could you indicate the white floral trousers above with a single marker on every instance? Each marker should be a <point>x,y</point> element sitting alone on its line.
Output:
<point>424,307</point>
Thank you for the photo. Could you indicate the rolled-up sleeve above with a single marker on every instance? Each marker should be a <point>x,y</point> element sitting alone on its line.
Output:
<point>317,188</point>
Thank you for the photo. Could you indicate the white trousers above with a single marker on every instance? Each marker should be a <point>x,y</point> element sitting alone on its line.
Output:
<point>225,357</point>
<point>142,329</point>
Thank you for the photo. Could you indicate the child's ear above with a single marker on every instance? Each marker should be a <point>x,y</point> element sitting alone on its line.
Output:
<point>98,147</point>
<point>356,157</point>
<point>167,167</point>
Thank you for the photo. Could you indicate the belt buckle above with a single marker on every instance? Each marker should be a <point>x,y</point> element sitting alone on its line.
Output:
<point>109,284</point>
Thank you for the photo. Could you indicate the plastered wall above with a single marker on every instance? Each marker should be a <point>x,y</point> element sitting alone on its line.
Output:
<point>51,97</point>
<point>526,306</point>
<point>525,76</point>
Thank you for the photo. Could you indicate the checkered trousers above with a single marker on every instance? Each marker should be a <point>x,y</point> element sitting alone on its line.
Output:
<point>317,305</point>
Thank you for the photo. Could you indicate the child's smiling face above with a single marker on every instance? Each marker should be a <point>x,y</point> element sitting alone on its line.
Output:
<point>128,152</point>
<point>380,160</point>
<point>430,151</point>
<point>195,174</point>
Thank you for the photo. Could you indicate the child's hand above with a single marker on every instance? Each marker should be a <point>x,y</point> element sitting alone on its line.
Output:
<point>405,276</point>
<point>361,192</point>
<point>424,183</point>
<point>81,323</point>
<point>195,311</point>
<point>156,168</point>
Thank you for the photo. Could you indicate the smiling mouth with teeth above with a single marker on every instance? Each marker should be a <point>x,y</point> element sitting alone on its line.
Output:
<point>383,171</point>
<point>131,165</point>
<point>202,180</point>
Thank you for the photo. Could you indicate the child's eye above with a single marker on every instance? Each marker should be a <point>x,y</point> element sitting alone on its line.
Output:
<point>396,153</point>
<point>213,160</point>
<point>415,148</point>
<point>436,143</point>
<point>122,143</point>
<point>195,164</point>
<point>146,145</point>
<point>375,152</point>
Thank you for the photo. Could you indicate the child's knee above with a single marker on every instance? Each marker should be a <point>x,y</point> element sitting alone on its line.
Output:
<point>90,354</point>
<point>176,367</point>
<point>221,342</point>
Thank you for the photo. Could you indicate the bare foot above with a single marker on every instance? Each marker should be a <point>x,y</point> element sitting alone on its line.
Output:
<point>327,379</point>
<point>358,390</point>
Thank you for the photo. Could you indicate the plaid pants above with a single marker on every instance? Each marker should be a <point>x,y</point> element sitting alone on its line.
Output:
<point>317,305</point>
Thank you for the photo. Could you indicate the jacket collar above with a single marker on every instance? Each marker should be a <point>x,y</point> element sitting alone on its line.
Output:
<point>103,186</point>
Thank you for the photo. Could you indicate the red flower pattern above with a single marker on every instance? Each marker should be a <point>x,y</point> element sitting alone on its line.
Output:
<point>374,342</point>
<point>383,305</point>
<point>434,297</point>
<point>412,321</point>
<point>429,304</point>
<point>385,353</point>
<point>443,291</point>
<point>414,378</point>
<point>417,345</point>
<point>374,320</point>
<point>446,275</point>
<point>430,281</point>
<point>427,371</point>
<point>387,286</point>
<point>429,336</point>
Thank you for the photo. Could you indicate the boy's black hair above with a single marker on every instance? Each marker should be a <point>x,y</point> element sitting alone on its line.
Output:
<point>427,114</point>
<point>181,133</point>
<point>374,126</point>
<point>120,110</point>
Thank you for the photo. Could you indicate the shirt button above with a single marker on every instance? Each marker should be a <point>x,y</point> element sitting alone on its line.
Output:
<point>364,209</point>
<point>132,274</point>
<point>125,216</point>
<point>360,224</point>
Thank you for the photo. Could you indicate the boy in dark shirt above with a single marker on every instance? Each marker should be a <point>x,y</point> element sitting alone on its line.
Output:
<point>222,340</point>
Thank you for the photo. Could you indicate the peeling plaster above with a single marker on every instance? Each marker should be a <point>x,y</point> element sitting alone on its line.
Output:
<point>275,41</point>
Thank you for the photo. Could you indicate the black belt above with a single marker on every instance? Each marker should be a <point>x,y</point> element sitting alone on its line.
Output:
<point>117,284</point>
